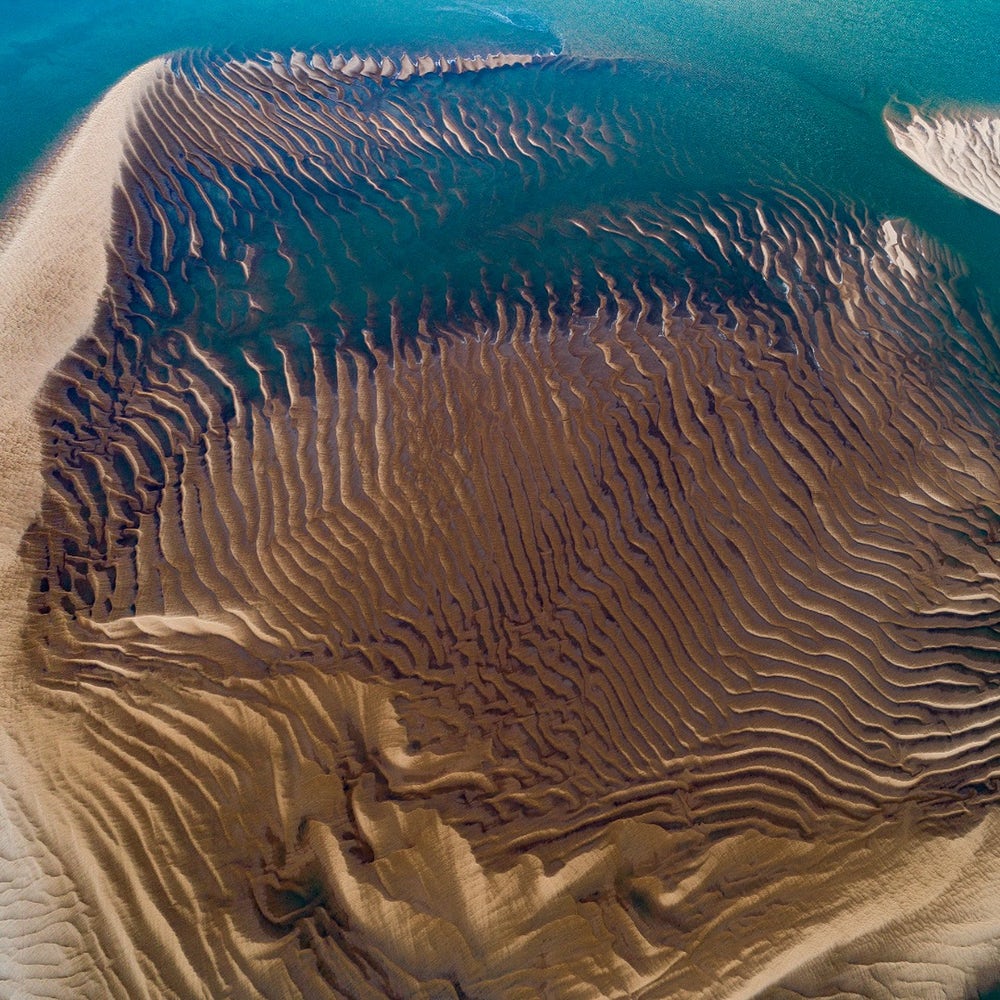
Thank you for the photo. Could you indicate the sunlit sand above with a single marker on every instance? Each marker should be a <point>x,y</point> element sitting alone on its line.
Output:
<point>620,628</point>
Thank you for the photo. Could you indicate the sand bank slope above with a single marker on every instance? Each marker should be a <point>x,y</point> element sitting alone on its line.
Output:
<point>960,149</point>
<point>53,270</point>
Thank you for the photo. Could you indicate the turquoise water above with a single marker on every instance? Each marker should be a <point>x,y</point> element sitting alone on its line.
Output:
<point>792,88</point>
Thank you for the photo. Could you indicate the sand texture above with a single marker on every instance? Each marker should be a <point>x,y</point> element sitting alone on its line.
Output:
<point>960,148</point>
<point>53,274</point>
<point>462,572</point>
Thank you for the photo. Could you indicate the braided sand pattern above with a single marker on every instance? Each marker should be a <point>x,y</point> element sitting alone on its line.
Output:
<point>644,650</point>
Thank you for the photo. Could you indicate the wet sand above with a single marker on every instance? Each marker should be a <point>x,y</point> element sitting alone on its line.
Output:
<point>630,634</point>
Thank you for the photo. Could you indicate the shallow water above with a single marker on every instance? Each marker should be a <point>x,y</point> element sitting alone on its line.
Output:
<point>793,90</point>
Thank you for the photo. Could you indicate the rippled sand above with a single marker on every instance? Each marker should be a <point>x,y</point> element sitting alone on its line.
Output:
<point>625,626</point>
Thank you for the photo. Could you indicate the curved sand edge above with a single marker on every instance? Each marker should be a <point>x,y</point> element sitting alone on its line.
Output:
<point>53,270</point>
<point>960,148</point>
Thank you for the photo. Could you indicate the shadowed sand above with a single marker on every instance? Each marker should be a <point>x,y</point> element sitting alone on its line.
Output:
<point>622,627</point>
<point>960,148</point>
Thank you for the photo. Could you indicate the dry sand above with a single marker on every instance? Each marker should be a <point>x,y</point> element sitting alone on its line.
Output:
<point>960,149</point>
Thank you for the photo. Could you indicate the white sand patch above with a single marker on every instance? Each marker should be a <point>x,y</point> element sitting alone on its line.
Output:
<point>961,149</point>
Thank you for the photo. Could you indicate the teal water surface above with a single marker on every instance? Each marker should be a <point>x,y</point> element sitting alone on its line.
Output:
<point>791,89</point>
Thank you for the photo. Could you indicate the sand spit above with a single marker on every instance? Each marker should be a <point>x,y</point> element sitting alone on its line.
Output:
<point>960,148</point>
<point>53,272</point>
<point>629,632</point>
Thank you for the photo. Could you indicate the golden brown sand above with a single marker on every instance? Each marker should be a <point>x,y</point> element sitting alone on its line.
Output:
<point>639,651</point>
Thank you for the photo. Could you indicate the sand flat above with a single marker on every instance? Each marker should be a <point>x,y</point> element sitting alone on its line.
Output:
<point>630,639</point>
<point>53,271</point>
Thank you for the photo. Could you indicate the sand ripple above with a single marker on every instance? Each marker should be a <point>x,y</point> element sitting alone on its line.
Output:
<point>627,627</point>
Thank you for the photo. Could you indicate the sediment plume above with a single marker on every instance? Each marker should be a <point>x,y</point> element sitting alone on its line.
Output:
<point>601,606</point>
<point>961,148</point>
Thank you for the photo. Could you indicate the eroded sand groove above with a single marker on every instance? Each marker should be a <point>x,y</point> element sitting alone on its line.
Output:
<point>565,635</point>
